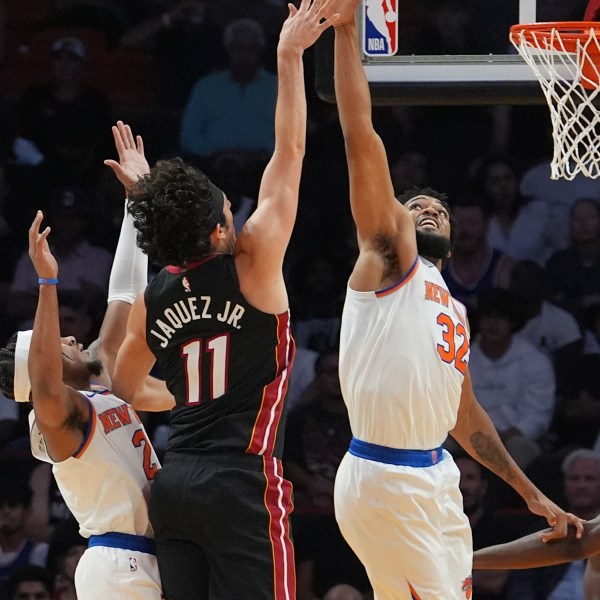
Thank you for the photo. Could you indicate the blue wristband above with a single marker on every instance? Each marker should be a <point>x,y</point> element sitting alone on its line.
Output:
<point>44,281</point>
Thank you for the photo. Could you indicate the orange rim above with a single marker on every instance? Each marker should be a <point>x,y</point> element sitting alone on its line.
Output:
<point>570,31</point>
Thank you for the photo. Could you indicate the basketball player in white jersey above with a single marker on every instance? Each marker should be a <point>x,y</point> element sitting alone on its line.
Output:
<point>404,374</point>
<point>102,459</point>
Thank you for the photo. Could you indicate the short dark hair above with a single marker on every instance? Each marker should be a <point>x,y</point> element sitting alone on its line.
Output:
<point>7,367</point>
<point>28,573</point>
<point>173,212</point>
<point>415,191</point>
<point>498,302</point>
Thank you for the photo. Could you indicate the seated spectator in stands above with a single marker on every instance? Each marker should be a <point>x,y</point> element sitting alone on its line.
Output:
<point>515,228</point>
<point>65,549</point>
<point>111,16</point>
<point>65,119</point>
<point>580,418</point>
<point>548,327</point>
<point>487,529</point>
<point>474,266</point>
<point>185,45</point>
<point>9,419</point>
<point>83,266</point>
<point>78,318</point>
<point>513,381</point>
<point>233,110</point>
<point>558,197</point>
<point>30,583</point>
<point>573,274</point>
<point>229,172</point>
<point>16,549</point>
<point>317,286</point>
<point>48,508</point>
<point>581,484</point>
<point>8,254</point>
<point>317,437</point>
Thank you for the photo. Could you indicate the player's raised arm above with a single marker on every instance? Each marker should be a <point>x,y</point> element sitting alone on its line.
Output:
<point>372,200</point>
<point>58,408</point>
<point>129,272</point>
<point>128,278</point>
<point>475,432</point>
<point>267,233</point>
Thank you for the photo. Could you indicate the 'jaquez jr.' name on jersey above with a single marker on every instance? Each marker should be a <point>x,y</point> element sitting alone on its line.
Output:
<point>194,309</point>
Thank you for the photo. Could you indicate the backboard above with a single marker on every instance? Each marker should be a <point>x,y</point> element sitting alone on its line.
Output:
<point>435,52</point>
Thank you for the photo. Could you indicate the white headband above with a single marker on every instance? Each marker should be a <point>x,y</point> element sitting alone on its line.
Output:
<point>22,383</point>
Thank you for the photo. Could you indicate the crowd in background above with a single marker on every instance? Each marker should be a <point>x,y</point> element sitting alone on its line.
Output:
<point>196,78</point>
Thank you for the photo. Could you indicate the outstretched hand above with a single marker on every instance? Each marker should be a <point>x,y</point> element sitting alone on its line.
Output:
<point>43,260</point>
<point>305,24</point>
<point>347,11</point>
<point>557,518</point>
<point>132,162</point>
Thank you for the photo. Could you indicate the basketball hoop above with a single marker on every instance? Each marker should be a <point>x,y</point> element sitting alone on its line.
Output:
<point>565,57</point>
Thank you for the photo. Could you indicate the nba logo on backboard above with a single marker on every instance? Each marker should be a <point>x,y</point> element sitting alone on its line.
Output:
<point>380,27</point>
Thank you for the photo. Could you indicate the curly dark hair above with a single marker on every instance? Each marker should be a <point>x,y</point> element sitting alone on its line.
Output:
<point>441,196</point>
<point>173,212</point>
<point>7,368</point>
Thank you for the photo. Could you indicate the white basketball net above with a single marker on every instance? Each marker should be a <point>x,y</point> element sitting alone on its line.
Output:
<point>559,67</point>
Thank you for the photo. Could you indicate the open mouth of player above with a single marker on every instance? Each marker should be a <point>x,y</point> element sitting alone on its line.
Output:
<point>428,223</point>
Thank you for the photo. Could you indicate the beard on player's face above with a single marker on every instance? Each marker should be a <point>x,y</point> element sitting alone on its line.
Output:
<point>432,245</point>
<point>95,367</point>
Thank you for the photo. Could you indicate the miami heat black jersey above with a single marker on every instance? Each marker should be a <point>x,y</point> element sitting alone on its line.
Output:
<point>227,363</point>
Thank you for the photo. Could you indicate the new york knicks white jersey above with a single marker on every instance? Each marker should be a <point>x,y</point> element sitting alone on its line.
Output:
<point>403,355</point>
<point>106,482</point>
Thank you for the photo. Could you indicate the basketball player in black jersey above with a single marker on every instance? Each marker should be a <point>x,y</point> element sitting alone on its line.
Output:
<point>216,322</point>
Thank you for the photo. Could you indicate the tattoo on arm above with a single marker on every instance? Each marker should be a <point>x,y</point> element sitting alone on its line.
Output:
<point>491,455</point>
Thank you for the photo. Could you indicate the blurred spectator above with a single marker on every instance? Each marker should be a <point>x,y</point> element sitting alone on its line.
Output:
<point>229,172</point>
<point>63,123</point>
<point>474,265</point>
<point>317,437</point>
<point>580,418</point>
<point>77,318</point>
<point>48,507</point>
<point>573,275</point>
<point>515,228</point>
<point>269,13</point>
<point>83,267</point>
<point>316,297</point>
<point>30,583</point>
<point>581,470</point>
<point>558,197</point>
<point>185,44</point>
<point>9,419</point>
<point>548,327</point>
<point>513,381</point>
<point>302,376</point>
<point>233,110</point>
<point>65,550</point>
<point>16,549</point>
<point>487,529</point>
<point>8,254</point>
<point>110,16</point>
